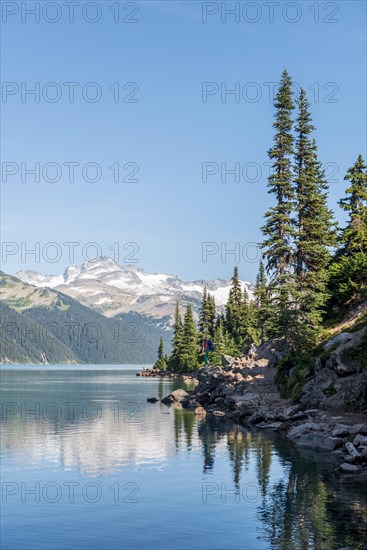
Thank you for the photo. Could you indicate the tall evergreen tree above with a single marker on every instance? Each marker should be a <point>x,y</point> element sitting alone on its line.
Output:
<point>234,310</point>
<point>354,236</point>
<point>219,339</point>
<point>279,229</point>
<point>263,307</point>
<point>348,281</point>
<point>207,315</point>
<point>315,235</point>
<point>315,224</point>
<point>177,341</point>
<point>188,360</point>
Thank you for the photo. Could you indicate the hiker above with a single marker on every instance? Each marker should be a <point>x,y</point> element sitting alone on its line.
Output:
<point>204,350</point>
<point>205,347</point>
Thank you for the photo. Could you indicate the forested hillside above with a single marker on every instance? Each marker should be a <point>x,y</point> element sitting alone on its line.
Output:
<point>45,326</point>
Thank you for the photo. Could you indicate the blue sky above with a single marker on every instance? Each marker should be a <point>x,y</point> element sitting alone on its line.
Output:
<point>170,132</point>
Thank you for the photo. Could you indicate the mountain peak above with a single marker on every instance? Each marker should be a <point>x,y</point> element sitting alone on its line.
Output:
<point>103,284</point>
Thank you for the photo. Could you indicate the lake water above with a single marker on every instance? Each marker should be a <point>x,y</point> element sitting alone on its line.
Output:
<point>86,462</point>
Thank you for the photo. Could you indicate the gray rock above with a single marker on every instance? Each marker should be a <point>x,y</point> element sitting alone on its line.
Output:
<point>352,451</point>
<point>313,397</point>
<point>338,340</point>
<point>355,393</point>
<point>341,430</point>
<point>175,397</point>
<point>339,365</point>
<point>360,441</point>
<point>227,361</point>
<point>346,468</point>
<point>319,442</point>
<point>296,431</point>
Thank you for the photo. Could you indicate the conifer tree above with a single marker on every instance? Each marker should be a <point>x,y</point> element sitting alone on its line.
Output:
<point>219,339</point>
<point>315,224</point>
<point>188,360</point>
<point>348,281</point>
<point>315,234</point>
<point>161,362</point>
<point>263,307</point>
<point>354,236</point>
<point>279,229</point>
<point>234,310</point>
<point>247,322</point>
<point>177,341</point>
<point>207,315</point>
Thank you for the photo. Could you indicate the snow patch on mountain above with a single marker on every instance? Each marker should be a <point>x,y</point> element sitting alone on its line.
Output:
<point>113,289</point>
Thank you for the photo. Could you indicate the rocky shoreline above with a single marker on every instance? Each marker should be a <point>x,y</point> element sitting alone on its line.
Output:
<point>245,392</point>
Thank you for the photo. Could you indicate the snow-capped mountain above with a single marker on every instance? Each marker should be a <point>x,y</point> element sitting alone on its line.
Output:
<point>111,288</point>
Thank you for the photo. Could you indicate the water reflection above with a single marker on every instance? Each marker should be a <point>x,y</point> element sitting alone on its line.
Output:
<point>110,428</point>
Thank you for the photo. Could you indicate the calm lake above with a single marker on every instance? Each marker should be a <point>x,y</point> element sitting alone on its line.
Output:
<point>86,462</point>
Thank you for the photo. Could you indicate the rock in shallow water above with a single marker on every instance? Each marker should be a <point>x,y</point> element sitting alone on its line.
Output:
<point>175,397</point>
<point>200,411</point>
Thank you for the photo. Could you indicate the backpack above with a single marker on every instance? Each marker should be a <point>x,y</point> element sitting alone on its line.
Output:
<point>211,345</point>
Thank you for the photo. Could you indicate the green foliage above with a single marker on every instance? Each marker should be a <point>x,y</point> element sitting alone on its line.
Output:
<point>348,280</point>
<point>161,362</point>
<point>75,333</point>
<point>299,232</point>
<point>177,342</point>
<point>207,316</point>
<point>279,228</point>
<point>354,236</point>
<point>239,317</point>
<point>188,360</point>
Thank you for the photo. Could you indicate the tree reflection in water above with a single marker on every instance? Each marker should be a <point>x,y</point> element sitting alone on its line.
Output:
<point>301,504</point>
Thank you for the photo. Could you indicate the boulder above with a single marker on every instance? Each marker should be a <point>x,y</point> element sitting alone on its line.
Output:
<point>313,397</point>
<point>227,361</point>
<point>190,404</point>
<point>323,380</point>
<point>296,431</point>
<point>200,411</point>
<point>352,451</point>
<point>318,441</point>
<point>355,393</point>
<point>346,468</point>
<point>338,340</point>
<point>152,400</point>
<point>342,430</point>
<point>360,441</point>
<point>175,397</point>
<point>340,365</point>
<point>218,413</point>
